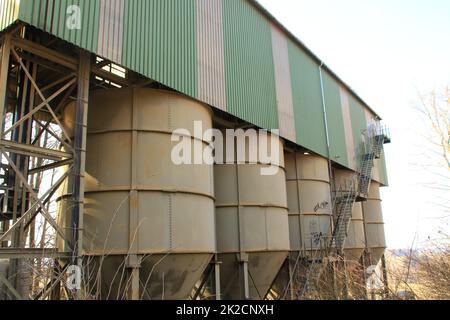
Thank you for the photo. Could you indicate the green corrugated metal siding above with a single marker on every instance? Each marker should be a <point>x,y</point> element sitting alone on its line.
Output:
<point>307,97</point>
<point>51,16</point>
<point>158,39</point>
<point>160,42</point>
<point>249,70</point>
<point>9,12</point>
<point>335,120</point>
<point>359,124</point>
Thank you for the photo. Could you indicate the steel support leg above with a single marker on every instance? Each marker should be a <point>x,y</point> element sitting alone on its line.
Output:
<point>134,266</point>
<point>243,268</point>
<point>217,264</point>
<point>385,277</point>
<point>80,159</point>
<point>4,72</point>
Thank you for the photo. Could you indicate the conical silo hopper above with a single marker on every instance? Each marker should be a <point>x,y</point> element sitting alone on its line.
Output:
<point>374,224</point>
<point>355,242</point>
<point>252,225</point>
<point>309,202</point>
<point>138,201</point>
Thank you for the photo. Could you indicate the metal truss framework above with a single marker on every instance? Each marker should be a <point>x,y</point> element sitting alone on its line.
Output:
<point>39,77</point>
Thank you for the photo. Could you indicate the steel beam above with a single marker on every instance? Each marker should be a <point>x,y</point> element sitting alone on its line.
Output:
<point>40,106</point>
<point>217,288</point>
<point>10,287</point>
<point>32,253</point>
<point>51,285</point>
<point>46,53</point>
<point>50,166</point>
<point>33,151</point>
<point>80,136</point>
<point>41,95</point>
<point>110,77</point>
<point>58,69</point>
<point>4,72</point>
<point>7,233</point>
<point>33,194</point>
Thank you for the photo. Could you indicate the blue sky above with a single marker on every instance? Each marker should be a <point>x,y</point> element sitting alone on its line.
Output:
<point>386,50</point>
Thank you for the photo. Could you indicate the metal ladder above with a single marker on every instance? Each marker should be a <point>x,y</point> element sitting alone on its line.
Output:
<point>376,139</point>
<point>345,200</point>
<point>355,189</point>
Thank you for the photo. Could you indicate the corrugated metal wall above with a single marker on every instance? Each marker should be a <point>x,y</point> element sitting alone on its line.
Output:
<point>283,85</point>
<point>160,42</point>
<point>359,126</point>
<point>307,96</point>
<point>335,120</point>
<point>52,16</point>
<point>223,52</point>
<point>249,69</point>
<point>210,51</point>
<point>348,129</point>
<point>110,34</point>
<point>9,12</point>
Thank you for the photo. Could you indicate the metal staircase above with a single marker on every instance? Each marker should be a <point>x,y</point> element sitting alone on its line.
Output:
<point>377,135</point>
<point>357,188</point>
<point>354,190</point>
<point>345,199</point>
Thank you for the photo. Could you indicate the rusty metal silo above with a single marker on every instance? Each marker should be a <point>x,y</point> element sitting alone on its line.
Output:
<point>309,202</point>
<point>252,226</point>
<point>137,201</point>
<point>374,224</point>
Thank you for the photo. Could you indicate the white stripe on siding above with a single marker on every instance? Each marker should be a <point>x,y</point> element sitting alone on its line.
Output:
<point>110,34</point>
<point>283,85</point>
<point>210,48</point>
<point>349,141</point>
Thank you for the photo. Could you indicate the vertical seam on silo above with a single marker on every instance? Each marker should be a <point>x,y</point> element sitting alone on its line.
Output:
<point>169,115</point>
<point>134,207</point>
<point>266,228</point>
<point>297,182</point>
<point>170,220</point>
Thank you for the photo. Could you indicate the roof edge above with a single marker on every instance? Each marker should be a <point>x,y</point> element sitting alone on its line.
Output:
<point>319,61</point>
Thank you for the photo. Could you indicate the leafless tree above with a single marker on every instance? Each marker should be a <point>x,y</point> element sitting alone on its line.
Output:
<point>434,109</point>
<point>425,273</point>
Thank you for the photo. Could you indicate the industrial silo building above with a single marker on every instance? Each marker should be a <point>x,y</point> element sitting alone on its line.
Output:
<point>111,113</point>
